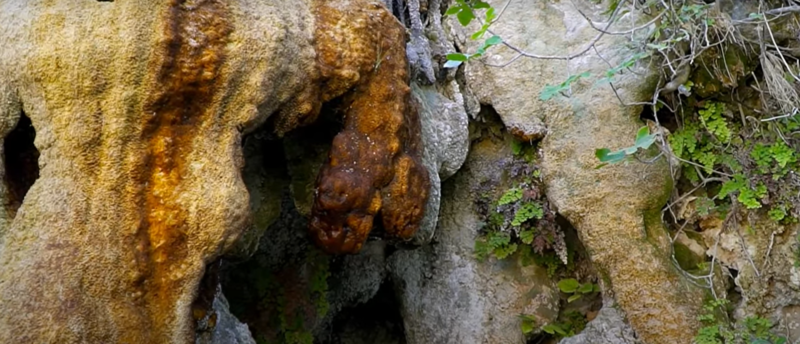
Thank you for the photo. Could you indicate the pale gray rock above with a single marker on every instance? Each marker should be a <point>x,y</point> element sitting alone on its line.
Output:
<point>446,295</point>
<point>609,327</point>
<point>228,329</point>
<point>445,139</point>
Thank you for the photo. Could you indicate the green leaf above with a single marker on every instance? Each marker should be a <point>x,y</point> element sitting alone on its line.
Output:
<point>586,288</point>
<point>498,239</point>
<point>453,10</point>
<point>526,236</point>
<point>482,250</point>
<point>452,64</point>
<point>553,329</point>
<point>490,15</point>
<point>549,91</point>
<point>607,156</point>
<point>457,57</point>
<point>494,40</point>
<point>510,196</point>
<point>505,251</point>
<point>516,147</point>
<point>526,326</point>
<point>642,134</point>
<point>527,211</point>
<point>465,17</point>
<point>574,297</point>
<point>568,285</point>
<point>481,4</point>
<point>731,186</point>
<point>479,34</point>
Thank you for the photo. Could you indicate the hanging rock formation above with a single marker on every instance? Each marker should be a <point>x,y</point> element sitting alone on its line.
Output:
<point>139,108</point>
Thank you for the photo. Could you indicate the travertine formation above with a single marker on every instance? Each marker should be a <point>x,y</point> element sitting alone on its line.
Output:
<point>374,164</point>
<point>139,108</point>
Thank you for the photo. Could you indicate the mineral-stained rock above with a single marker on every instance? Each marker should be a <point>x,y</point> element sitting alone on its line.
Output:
<point>446,295</point>
<point>374,165</point>
<point>139,108</point>
<point>614,208</point>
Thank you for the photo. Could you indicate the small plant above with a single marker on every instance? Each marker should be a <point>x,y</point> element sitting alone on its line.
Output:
<point>748,196</point>
<point>494,243</point>
<point>643,141</point>
<point>711,118</point>
<point>528,211</point>
<point>520,219</point>
<point>575,289</point>
<point>551,91</point>
<point>719,329</point>
<point>465,13</point>
<point>569,324</point>
<point>527,324</point>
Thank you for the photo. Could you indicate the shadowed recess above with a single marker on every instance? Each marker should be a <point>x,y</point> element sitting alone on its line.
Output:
<point>21,162</point>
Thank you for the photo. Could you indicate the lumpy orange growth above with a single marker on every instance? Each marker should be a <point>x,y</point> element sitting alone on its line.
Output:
<point>374,166</point>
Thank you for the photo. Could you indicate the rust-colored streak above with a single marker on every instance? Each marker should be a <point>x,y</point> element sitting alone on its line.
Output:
<point>194,52</point>
<point>374,162</point>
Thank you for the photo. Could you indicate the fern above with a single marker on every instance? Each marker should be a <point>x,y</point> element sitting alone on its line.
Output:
<point>510,196</point>
<point>529,210</point>
<point>711,117</point>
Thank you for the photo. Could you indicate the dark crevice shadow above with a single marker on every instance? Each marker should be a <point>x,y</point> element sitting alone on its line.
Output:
<point>376,321</point>
<point>21,162</point>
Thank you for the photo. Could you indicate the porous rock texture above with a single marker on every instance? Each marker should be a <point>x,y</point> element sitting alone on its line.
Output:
<point>139,108</point>
<point>448,296</point>
<point>615,209</point>
<point>763,254</point>
<point>374,163</point>
<point>445,137</point>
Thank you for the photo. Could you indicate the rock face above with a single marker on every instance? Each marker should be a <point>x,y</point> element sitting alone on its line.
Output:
<point>446,294</point>
<point>763,254</point>
<point>616,208</point>
<point>609,327</point>
<point>224,328</point>
<point>445,138</point>
<point>139,108</point>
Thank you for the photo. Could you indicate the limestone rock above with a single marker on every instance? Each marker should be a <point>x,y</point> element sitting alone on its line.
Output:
<point>264,178</point>
<point>445,142</point>
<point>763,253</point>
<point>374,168</point>
<point>226,329</point>
<point>609,327</point>
<point>289,278</point>
<point>446,295</point>
<point>139,109</point>
<point>615,208</point>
